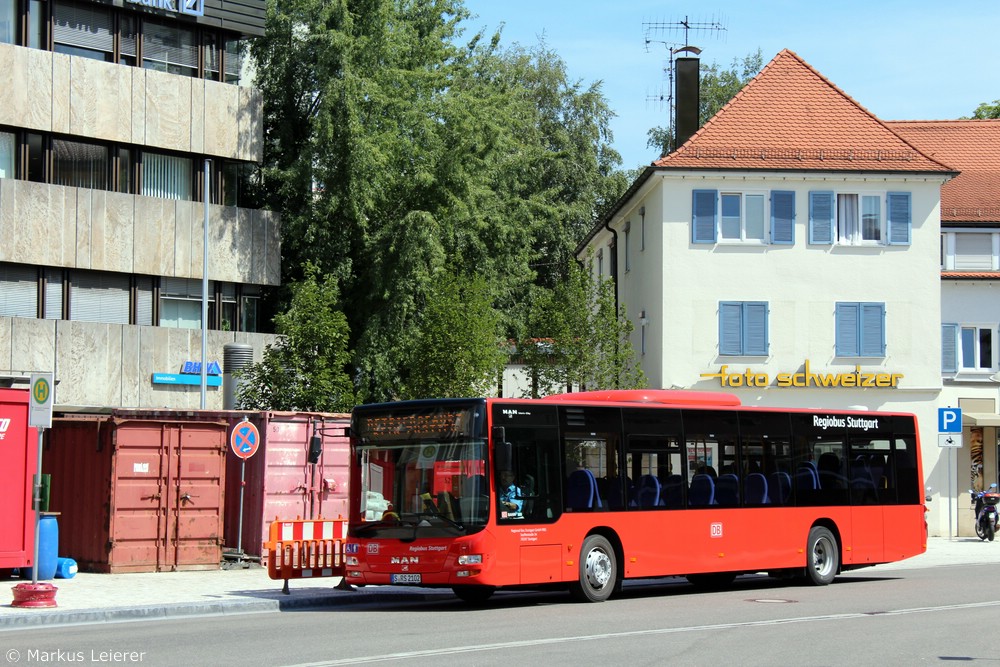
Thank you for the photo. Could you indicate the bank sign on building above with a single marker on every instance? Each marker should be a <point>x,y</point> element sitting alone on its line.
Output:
<point>788,252</point>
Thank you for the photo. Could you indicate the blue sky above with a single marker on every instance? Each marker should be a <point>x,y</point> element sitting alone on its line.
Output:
<point>917,60</point>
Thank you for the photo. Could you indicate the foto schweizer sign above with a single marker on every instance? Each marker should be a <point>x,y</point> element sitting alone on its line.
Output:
<point>42,397</point>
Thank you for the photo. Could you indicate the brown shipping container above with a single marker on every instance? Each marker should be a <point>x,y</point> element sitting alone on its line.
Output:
<point>18,464</point>
<point>279,480</point>
<point>139,491</point>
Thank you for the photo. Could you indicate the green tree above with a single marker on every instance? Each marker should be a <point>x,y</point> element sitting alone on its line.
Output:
<point>307,368</point>
<point>396,152</point>
<point>584,342</point>
<point>716,87</point>
<point>457,351</point>
<point>985,110</point>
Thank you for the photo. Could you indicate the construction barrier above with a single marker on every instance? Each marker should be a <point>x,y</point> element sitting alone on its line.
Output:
<point>305,548</point>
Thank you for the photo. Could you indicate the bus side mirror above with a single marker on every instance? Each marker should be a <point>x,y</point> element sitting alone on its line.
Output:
<point>502,448</point>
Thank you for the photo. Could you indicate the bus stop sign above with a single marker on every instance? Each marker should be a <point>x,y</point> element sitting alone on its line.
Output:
<point>42,395</point>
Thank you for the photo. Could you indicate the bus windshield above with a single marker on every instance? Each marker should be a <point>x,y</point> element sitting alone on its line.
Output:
<point>422,472</point>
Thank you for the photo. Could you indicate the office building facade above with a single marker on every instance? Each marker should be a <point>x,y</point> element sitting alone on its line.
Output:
<point>128,136</point>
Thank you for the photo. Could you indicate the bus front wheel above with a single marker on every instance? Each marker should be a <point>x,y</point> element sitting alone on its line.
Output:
<point>598,571</point>
<point>822,556</point>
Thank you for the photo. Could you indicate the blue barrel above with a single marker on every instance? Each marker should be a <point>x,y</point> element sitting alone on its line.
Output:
<point>66,568</point>
<point>48,546</point>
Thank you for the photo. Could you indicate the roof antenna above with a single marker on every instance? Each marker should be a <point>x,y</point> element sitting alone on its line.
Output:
<point>652,31</point>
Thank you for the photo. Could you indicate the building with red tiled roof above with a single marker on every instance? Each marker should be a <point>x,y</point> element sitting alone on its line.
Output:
<point>791,243</point>
<point>970,265</point>
<point>791,117</point>
<point>973,147</point>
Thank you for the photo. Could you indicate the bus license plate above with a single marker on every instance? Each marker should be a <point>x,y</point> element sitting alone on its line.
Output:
<point>405,579</point>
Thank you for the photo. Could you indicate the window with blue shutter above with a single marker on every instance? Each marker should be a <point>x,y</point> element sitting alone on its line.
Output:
<point>821,218</point>
<point>730,328</point>
<point>872,330</point>
<point>782,217</point>
<point>703,216</point>
<point>848,344</point>
<point>860,330</point>
<point>949,348</point>
<point>743,328</point>
<point>755,329</point>
<point>899,213</point>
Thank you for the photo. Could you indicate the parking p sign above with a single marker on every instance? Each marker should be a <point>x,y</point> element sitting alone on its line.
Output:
<point>949,420</point>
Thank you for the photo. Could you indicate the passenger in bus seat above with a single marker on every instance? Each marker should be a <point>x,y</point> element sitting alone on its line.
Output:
<point>831,474</point>
<point>511,496</point>
<point>706,470</point>
<point>447,505</point>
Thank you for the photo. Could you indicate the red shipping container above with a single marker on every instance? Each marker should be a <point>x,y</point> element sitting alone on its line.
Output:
<point>139,491</point>
<point>18,465</point>
<point>280,481</point>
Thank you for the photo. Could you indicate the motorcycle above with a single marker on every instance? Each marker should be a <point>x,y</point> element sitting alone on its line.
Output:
<point>987,517</point>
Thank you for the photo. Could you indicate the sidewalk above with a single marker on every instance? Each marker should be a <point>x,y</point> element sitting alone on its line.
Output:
<point>94,598</point>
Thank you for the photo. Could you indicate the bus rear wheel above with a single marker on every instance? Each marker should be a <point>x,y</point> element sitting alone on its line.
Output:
<point>598,571</point>
<point>822,555</point>
<point>473,594</point>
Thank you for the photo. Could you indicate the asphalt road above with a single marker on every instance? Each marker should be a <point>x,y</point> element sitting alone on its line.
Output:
<point>907,617</point>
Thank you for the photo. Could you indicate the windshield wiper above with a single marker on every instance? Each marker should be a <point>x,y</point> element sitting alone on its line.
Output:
<point>437,514</point>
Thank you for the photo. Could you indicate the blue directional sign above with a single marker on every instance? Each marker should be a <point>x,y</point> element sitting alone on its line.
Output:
<point>186,379</point>
<point>949,420</point>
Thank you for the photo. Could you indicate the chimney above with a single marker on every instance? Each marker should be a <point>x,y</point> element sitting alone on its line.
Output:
<point>688,104</point>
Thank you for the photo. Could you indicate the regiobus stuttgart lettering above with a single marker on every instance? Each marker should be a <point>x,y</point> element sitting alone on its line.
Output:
<point>859,423</point>
<point>806,378</point>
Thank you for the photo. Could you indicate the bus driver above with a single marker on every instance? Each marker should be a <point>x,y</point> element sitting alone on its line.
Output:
<point>510,495</point>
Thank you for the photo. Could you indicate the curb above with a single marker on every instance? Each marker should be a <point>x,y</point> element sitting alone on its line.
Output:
<point>50,618</point>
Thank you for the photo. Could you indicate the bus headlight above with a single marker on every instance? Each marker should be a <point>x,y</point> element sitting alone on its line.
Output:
<point>352,560</point>
<point>470,559</point>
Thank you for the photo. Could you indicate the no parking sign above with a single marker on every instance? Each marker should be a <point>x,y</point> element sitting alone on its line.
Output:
<point>244,440</point>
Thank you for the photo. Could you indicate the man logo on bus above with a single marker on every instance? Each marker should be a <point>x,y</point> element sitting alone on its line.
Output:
<point>716,529</point>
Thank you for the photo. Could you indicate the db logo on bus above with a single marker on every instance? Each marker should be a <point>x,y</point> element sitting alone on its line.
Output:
<point>4,425</point>
<point>716,529</point>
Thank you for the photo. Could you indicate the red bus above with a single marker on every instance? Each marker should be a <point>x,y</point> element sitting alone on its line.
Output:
<point>587,489</point>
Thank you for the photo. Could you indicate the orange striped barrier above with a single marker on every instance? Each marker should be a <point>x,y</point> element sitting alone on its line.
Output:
<point>305,548</point>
